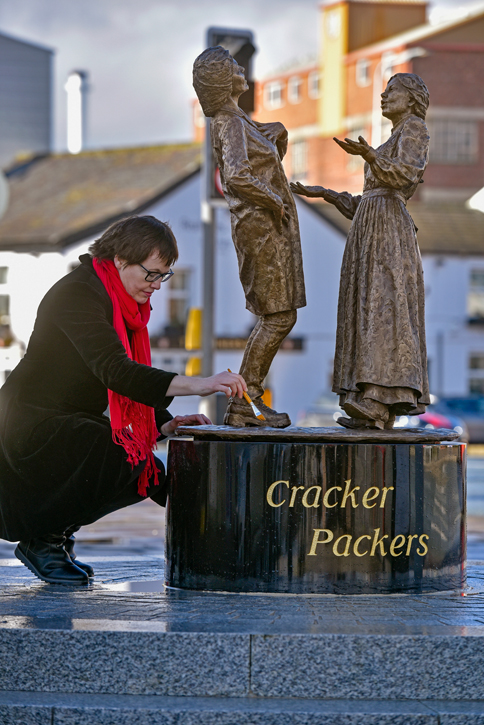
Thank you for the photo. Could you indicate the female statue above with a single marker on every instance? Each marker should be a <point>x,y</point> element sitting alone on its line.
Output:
<point>264,222</point>
<point>380,366</point>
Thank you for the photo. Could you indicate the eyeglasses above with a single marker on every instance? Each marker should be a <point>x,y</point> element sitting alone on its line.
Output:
<point>155,276</point>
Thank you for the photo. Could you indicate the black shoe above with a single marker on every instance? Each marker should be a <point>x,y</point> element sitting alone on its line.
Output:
<point>48,560</point>
<point>69,547</point>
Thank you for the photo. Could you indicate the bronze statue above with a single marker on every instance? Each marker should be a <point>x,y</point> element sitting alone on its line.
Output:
<point>265,227</point>
<point>380,366</point>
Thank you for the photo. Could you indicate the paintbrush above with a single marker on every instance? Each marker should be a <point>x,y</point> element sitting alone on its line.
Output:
<point>255,409</point>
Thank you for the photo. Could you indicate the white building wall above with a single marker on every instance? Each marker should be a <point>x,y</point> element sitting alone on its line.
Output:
<point>450,338</point>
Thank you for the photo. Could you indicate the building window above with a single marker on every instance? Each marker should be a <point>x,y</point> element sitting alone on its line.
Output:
<point>273,94</point>
<point>3,275</point>
<point>476,386</point>
<point>453,141</point>
<point>178,295</point>
<point>314,82</point>
<point>4,309</point>
<point>476,361</point>
<point>299,159</point>
<point>475,297</point>
<point>333,24</point>
<point>476,375</point>
<point>294,89</point>
<point>363,77</point>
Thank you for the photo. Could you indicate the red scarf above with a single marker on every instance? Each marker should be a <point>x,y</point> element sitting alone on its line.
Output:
<point>133,424</point>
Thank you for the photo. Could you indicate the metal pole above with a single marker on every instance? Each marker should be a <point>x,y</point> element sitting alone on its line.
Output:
<point>208,405</point>
<point>208,220</point>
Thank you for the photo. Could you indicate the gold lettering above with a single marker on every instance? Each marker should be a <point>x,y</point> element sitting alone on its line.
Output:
<point>410,539</point>
<point>394,545</point>
<point>294,490</point>
<point>369,497</point>
<point>378,542</point>
<point>315,504</point>
<point>384,492</point>
<point>326,497</point>
<point>422,543</point>
<point>349,494</point>
<point>316,541</point>
<point>346,552</point>
<point>356,544</point>
<point>270,491</point>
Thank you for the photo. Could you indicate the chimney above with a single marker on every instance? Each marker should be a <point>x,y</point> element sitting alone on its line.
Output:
<point>77,87</point>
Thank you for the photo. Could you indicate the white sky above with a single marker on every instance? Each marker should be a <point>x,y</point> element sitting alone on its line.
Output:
<point>139,54</point>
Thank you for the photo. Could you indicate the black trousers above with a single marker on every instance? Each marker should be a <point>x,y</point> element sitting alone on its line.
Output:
<point>126,495</point>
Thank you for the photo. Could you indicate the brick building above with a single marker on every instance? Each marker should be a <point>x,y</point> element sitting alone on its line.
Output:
<point>363,43</point>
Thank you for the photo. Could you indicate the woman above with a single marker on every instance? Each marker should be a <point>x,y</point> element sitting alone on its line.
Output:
<point>380,367</point>
<point>264,222</point>
<point>63,462</point>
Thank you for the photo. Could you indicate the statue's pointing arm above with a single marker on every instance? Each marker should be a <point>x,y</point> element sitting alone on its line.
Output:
<point>237,170</point>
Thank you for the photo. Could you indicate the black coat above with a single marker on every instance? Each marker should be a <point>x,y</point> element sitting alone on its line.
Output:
<point>58,463</point>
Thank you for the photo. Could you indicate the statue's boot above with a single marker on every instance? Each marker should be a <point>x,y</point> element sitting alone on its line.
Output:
<point>368,410</point>
<point>240,414</point>
<point>359,423</point>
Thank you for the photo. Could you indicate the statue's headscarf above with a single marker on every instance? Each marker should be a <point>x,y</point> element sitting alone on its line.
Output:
<point>419,93</point>
<point>212,78</point>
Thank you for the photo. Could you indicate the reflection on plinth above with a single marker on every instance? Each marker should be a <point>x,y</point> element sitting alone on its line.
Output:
<point>316,511</point>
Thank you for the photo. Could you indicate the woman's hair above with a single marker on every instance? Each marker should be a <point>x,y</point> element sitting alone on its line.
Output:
<point>134,239</point>
<point>212,78</point>
<point>418,92</point>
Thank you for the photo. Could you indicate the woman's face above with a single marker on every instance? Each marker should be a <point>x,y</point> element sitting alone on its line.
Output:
<point>133,276</point>
<point>395,100</point>
<point>239,84</point>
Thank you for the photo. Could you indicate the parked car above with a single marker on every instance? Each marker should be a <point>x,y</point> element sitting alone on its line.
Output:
<point>434,419</point>
<point>470,409</point>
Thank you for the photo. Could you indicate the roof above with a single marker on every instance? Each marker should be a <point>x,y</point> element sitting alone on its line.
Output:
<point>26,42</point>
<point>422,32</point>
<point>63,198</point>
<point>450,229</point>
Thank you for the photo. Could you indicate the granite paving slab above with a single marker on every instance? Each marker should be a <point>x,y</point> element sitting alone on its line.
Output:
<point>128,595</point>
<point>41,708</point>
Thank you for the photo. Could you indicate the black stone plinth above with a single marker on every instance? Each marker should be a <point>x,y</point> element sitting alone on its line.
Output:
<point>329,516</point>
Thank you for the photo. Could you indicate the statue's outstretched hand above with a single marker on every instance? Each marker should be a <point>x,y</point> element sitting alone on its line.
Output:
<point>357,148</point>
<point>312,192</point>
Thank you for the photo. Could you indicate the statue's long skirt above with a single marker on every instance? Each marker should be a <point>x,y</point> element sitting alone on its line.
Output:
<point>380,338</point>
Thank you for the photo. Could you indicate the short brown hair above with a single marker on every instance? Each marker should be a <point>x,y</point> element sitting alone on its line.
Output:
<point>134,239</point>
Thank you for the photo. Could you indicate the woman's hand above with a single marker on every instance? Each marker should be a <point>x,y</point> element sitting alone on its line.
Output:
<point>232,384</point>
<point>196,419</point>
<point>357,148</point>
